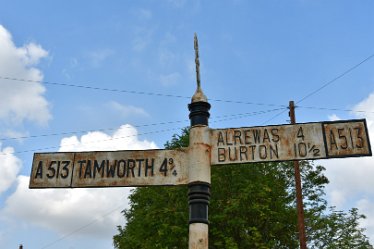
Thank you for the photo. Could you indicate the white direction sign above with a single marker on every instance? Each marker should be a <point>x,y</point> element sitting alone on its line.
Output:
<point>228,146</point>
<point>108,169</point>
<point>290,142</point>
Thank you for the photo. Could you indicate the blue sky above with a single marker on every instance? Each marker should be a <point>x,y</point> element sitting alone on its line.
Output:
<point>259,54</point>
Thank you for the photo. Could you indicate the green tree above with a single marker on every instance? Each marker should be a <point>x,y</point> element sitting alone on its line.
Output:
<point>252,206</point>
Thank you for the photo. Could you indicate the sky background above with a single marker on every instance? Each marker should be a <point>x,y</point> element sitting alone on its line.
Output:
<point>255,57</point>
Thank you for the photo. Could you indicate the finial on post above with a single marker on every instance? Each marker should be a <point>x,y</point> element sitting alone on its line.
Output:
<point>199,95</point>
<point>197,62</point>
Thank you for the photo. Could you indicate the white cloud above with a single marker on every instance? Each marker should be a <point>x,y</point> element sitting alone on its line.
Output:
<point>66,210</point>
<point>97,57</point>
<point>144,14</point>
<point>142,38</point>
<point>337,197</point>
<point>166,57</point>
<point>13,135</point>
<point>334,117</point>
<point>21,101</point>
<point>126,137</point>
<point>351,179</point>
<point>170,79</point>
<point>127,110</point>
<point>366,207</point>
<point>177,3</point>
<point>10,166</point>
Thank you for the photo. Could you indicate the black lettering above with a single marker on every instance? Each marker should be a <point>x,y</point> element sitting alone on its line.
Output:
<point>333,140</point>
<point>351,138</point>
<point>316,152</point>
<point>247,137</point>
<point>233,156</point>
<point>266,136</point>
<point>300,133</point>
<point>237,136</point>
<point>274,151</point>
<point>227,138</point>
<point>81,162</point>
<point>360,143</point>
<point>99,168</point>
<point>39,170</point>
<point>243,151</point>
<point>221,154</point>
<point>253,148</point>
<point>274,132</point>
<point>149,167</point>
<point>257,136</point>
<point>65,168</point>
<point>130,166</point>
<point>51,171</point>
<point>220,139</point>
<point>302,149</point>
<point>341,136</point>
<point>164,167</point>
<point>120,164</point>
<point>58,169</point>
<point>139,166</point>
<point>88,170</point>
<point>262,151</point>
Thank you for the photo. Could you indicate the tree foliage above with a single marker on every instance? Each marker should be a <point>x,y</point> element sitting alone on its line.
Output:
<point>252,206</point>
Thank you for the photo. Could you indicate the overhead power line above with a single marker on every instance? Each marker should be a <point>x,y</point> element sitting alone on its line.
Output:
<point>134,92</point>
<point>230,117</point>
<point>336,78</point>
<point>227,117</point>
<point>81,227</point>
<point>186,97</point>
<point>325,85</point>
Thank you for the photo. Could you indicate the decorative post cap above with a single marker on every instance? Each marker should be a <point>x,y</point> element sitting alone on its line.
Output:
<point>199,106</point>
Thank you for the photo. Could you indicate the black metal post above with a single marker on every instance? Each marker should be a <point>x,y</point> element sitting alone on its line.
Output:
<point>198,192</point>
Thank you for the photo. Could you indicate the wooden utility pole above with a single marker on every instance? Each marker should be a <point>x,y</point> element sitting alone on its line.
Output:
<point>299,195</point>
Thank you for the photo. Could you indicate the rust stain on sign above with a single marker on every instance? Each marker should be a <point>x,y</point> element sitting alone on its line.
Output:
<point>290,142</point>
<point>52,169</point>
<point>109,169</point>
<point>347,139</point>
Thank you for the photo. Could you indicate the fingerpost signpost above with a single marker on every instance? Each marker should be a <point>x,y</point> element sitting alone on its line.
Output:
<point>191,166</point>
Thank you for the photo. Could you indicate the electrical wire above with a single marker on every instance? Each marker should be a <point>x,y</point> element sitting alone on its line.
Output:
<point>134,92</point>
<point>96,141</point>
<point>214,100</point>
<point>136,126</point>
<point>231,117</point>
<point>87,131</point>
<point>324,85</point>
<point>335,109</point>
<point>335,79</point>
<point>81,228</point>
